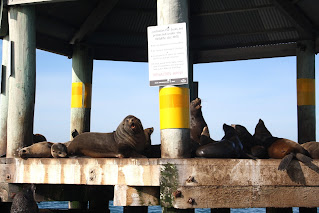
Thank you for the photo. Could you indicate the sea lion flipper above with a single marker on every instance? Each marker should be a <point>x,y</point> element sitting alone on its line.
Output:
<point>74,133</point>
<point>285,162</point>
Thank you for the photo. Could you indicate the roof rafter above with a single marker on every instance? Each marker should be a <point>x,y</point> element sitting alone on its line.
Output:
<point>303,24</point>
<point>94,20</point>
<point>14,2</point>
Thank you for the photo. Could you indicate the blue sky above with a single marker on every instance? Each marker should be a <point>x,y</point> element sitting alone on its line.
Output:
<point>238,92</point>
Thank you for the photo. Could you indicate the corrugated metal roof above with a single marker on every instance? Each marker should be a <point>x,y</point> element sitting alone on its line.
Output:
<point>214,25</point>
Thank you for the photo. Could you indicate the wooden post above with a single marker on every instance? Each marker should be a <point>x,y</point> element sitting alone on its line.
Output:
<point>306,96</point>
<point>175,132</point>
<point>306,91</point>
<point>4,96</point>
<point>22,78</point>
<point>82,68</point>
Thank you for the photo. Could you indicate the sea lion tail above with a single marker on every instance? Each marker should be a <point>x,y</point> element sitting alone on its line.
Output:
<point>285,162</point>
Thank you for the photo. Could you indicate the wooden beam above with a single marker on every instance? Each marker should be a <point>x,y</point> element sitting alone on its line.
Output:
<point>293,13</point>
<point>244,53</point>
<point>235,10</point>
<point>94,19</point>
<point>15,2</point>
<point>146,172</point>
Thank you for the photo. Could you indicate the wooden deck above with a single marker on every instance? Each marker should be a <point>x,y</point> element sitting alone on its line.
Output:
<point>181,183</point>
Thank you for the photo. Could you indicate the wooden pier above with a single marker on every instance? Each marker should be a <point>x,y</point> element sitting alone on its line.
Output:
<point>88,30</point>
<point>208,183</point>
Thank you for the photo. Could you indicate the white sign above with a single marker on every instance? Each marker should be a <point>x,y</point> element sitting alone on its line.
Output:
<point>167,54</point>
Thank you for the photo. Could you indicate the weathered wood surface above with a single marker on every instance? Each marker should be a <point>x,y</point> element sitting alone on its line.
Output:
<point>146,172</point>
<point>211,183</point>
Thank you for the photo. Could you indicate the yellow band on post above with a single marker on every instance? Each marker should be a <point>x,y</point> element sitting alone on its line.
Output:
<point>306,91</point>
<point>174,107</point>
<point>81,95</point>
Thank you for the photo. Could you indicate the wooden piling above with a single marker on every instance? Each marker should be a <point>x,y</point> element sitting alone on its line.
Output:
<point>82,68</point>
<point>306,96</point>
<point>306,91</point>
<point>4,96</point>
<point>174,114</point>
<point>22,78</point>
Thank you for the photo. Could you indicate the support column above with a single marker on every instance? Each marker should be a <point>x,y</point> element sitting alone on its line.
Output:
<point>22,78</point>
<point>82,68</point>
<point>4,96</point>
<point>174,100</point>
<point>306,96</point>
<point>306,91</point>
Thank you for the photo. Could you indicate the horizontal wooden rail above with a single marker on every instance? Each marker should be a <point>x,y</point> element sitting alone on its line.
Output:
<point>209,183</point>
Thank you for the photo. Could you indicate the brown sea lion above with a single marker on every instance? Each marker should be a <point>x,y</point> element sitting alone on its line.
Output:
<point>23,202</point>
<point>229,147</point>
<point>37,150</point>
<point>280,148</point>
<point>313,148</point>
<point>38,138</point>
<point>197,123</point>
<point>127,141</point>
<point>59,150</point>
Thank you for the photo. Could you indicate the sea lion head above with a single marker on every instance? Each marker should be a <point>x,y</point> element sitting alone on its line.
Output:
<point>37,150</point>
<point>59,150</point>
<point>195,106</point>
<point>130,134</point>
<point>24,152</point>
<point>261,133</point>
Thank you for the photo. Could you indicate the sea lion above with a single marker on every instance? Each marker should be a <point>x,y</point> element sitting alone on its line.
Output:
<point>280,148</point>
<point>313,148</point>
<point>197,123</point>
<point>37,150</point>
<point>38,138</point>
<point>59,150</point>
<point>23,201</point>
<point>249,144</point>
<point>229,147</point>
<point>128,140</point>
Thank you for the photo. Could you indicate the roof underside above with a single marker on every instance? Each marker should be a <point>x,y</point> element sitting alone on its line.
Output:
<point>220,30</point>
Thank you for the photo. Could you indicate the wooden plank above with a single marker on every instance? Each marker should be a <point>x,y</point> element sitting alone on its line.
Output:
<point>136,196</point>
<point>146,172</point>
<point>247,197</point>
<point>15,2</point>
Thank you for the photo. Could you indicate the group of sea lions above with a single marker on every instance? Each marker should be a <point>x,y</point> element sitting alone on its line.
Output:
<point>239,143</point>
<point>129,140</point>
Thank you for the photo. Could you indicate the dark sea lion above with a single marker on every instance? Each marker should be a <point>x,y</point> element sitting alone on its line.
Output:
<point>23,202</point>
<point>37,150</point>
<point>249,144</point>
<point>229,147</point>
<point>59,150</point>
<point>313,148</point>
<point>128,140</point>
<point>280,148</point>
<point>38,138</point>
<point>197,123</point>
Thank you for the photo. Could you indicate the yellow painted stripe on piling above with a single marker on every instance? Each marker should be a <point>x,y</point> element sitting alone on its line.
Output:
<point>87,95</point>
<point>174,107</point>
<point>306,91</point>
<point>81,95</point>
